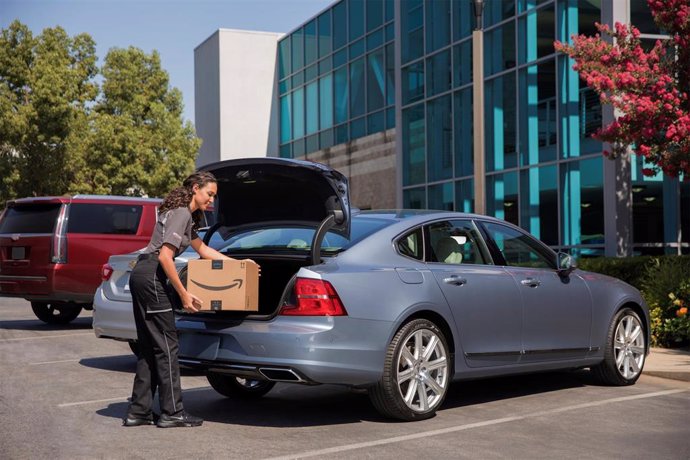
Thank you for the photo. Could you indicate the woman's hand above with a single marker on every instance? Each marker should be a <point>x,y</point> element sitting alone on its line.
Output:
<point>190,302</point>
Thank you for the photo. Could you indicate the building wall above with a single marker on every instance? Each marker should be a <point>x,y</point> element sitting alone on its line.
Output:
<point>239,74</point>
<point>370,165</point>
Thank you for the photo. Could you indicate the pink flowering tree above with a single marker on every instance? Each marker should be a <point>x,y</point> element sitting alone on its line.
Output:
<point>649,89</point>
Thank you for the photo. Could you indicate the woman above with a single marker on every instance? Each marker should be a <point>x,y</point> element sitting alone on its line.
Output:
<point>157,368</point>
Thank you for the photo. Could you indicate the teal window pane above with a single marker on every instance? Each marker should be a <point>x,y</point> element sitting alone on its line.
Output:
<point>326,138</point>
<point>325,65</point>
<point>342,134</point>
<point>502,196</point>
<point>496,11</point>
<point>340,58</point>
<point>284,86</point>
<point>500,123</point>
<point>463,134</point>
<point>441,197</point>
<point>390,75</point>
<point>437,25</point>
<point>339,25</point>
<point>390,32</point>
<point>439,134</point>
<point>374,14</point>
<point>325,34</point>
<point>414,141</point>
<point>390,118</point>
<point>525,5</point>
<point>357,89</point>
<point>312,144</point>
<point>413,82</point>
<point>311,72</point>
<point>342,94</point>
<point>310,43</point>
<point>284,58</point>
<point>358,128</point>
<point>414,198</point>
<point>462,63</point>
<point>539,203</point>
<point>285,119</point>
<point>412,12</point>
<point>357,49</point>
<point>356,18</point>
<point>376,122</point>
<point>297,49</point>
<point>464,195</point>
<point>326,101</point>
<point>499,49</point>
<point>685,213</point>
<point>298,148</point>
<point>374,39</point>
<point>641,17</point>
<point>463,19</point>
<point>655,205</point>
<point>538,126</point>
<point>297,79</point>
<point>312,107</point>
<point>438,74</point>
<point>537,32</point>
<point>582,202</point>
<point>298,107</point>
<point>388,6</point>
<point>376,81</point>
<point>286,151</point>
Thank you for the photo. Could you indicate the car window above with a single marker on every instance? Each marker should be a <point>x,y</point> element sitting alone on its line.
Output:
<point>456,242</point>
<point>32,218</point>
<point>411,244</point>
<point>518,249</point>
<point>101,218</point>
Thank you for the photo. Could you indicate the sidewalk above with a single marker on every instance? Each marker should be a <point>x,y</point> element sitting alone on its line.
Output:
<point>668,363</point>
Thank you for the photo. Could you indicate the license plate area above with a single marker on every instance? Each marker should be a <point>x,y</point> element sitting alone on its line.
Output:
<point>199,346</point>
<point>18,253</point>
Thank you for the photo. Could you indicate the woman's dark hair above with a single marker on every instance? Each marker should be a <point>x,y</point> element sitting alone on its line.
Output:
<point>180,197</point>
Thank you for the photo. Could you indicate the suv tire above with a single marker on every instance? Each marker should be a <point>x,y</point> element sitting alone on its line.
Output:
<point>56,312</point>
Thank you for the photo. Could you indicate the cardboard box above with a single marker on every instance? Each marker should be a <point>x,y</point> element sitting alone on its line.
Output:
<point>224,284</point>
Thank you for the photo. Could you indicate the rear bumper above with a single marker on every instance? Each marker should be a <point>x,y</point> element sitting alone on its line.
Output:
<point>39,288</point>
<point>113,319</point>
<point>335,350</point>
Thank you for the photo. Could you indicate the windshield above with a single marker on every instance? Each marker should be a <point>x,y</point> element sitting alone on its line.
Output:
<point>295,238</point>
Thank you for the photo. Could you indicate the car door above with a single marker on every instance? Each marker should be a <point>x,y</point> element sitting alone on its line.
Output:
<point>483,298</point>
<point>557,312</point>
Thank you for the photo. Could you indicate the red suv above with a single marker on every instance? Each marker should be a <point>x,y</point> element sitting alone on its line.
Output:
<point>52,248</point>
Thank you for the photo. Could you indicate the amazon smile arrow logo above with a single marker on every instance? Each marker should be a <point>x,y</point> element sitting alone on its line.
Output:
<point>238,283</point>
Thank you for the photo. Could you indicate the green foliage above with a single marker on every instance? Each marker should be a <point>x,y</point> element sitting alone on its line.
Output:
<point>60,133</point>
<point>665,285</point>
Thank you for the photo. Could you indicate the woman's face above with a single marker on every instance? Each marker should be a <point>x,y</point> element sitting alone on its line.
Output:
<point>204,196</point>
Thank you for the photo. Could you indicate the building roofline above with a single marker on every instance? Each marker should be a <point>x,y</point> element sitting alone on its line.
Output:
<point>314,16</point>
<point>278,35</point>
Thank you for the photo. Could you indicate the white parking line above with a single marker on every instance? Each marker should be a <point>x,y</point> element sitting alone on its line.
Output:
<point>123,399</point>
<point>56,362</point>
<point>469,426</point>
<point>45,337</point>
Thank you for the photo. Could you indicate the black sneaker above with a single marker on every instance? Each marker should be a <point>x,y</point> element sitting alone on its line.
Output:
<point>184,419</point>
<point>130,420</point>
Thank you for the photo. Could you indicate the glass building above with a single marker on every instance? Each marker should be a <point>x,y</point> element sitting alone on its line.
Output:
<point>367,66</point>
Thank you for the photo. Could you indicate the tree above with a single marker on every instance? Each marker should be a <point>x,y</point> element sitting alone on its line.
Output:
<point>649,89</point>
<point>138,144</point>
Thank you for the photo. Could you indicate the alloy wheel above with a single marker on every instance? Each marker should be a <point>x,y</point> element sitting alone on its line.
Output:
<point>629,346</point>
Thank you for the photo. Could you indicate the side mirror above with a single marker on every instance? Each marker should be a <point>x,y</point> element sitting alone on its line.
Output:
<point>565,264</point>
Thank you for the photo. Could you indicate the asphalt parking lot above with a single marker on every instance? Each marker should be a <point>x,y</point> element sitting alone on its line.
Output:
<point>63,393</point>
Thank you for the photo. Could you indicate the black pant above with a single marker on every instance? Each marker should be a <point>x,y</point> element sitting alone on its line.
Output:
<point>157,367</point>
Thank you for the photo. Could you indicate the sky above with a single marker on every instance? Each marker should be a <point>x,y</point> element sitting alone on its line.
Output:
<point>173,27</point>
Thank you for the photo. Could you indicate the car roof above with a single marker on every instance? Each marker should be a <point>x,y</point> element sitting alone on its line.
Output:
<point>85,199</point>
<point>421,215</point>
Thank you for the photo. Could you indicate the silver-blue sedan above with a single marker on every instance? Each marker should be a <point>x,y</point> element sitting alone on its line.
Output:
<point>400,303</point>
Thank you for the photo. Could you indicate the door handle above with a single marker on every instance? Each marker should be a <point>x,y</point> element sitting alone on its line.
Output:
<point>531,282</point>
<point>455,280</point>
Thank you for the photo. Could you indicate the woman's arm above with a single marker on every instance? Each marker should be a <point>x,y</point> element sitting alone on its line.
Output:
<point>190,302</point>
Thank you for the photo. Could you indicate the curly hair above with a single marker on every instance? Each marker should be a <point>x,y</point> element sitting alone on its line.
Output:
<point>180,197</point>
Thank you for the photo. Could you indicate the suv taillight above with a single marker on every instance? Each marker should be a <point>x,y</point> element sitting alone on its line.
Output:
<point>106,272</point>
<point>58,250</point>
<point>314,298</point>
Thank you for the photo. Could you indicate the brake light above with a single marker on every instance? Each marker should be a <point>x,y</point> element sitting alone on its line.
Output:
<point>58,250</point>
<point>106,272</point>
<point>315,298</point>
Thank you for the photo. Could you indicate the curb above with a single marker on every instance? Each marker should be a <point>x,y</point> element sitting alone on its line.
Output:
<point>683,376</point>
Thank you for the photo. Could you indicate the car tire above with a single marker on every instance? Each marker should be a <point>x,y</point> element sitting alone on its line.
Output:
<point>134,346</point>
<point>56,312</point>
<point>624,355</point>
<point>233,386</point>
<point>409,389</point>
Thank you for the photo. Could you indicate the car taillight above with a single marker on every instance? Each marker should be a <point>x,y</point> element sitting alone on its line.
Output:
<point>314,298</point>
<point>58,250</point>
<point>106,272</point>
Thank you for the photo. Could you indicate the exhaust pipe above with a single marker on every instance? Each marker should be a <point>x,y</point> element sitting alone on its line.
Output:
<point>281,375</point>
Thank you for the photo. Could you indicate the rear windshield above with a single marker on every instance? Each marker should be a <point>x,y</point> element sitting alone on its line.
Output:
<point>116,219</point>
<point>295,238</point>
<point>30,218</point>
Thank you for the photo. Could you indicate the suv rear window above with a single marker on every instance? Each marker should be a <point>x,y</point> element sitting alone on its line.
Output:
<point>30,218</point>
<point>117,219</point>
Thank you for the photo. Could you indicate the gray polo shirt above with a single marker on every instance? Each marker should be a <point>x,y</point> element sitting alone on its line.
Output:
<point>175,228</point>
